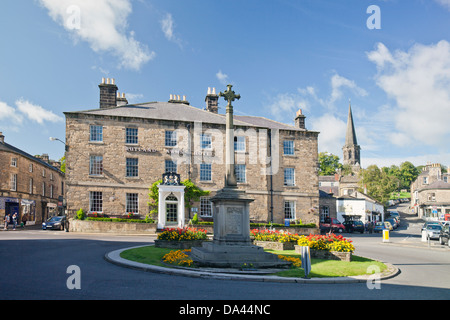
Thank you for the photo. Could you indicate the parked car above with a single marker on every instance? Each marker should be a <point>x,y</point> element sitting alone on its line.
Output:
<point>444,235</point>
<point>380,226</point>
<point>351,226</point>
<point>433,231</point>
<point>331,224</point>
<point>55,223</point>
<point>393,222</point>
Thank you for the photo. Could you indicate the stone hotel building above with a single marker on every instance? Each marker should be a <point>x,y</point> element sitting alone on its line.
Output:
<point>117,151</point>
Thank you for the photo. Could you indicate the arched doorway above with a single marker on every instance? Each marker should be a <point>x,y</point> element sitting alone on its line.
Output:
<point>171,210</point>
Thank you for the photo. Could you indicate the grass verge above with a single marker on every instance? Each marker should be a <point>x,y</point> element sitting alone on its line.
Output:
<point>319,268</point>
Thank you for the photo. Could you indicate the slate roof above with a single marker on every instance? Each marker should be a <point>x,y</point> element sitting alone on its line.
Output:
<point>10,148</point>
<point>183,112</point>
<point>437,185</point>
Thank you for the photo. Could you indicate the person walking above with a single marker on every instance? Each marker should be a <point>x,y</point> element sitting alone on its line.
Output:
<point>14,220</point>
<point>6,221</point>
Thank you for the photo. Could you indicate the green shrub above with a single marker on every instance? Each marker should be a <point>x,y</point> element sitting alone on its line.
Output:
<point>121,220</point>
<point>81,215</point>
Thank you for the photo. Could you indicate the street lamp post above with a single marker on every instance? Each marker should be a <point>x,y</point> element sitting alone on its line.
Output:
<point>56,139</point>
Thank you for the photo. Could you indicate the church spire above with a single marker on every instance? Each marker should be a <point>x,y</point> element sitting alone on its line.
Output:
<point>350,138</point>
<point>351,148</point>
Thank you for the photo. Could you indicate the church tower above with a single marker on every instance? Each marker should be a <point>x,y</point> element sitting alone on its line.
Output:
<point>351,148</point>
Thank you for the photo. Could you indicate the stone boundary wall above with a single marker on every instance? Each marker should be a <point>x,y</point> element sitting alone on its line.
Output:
<point>111,227</point>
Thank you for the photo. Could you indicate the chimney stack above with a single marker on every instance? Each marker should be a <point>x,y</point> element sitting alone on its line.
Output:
<point>121,100</point>
<point>212,101</point>
<point>2,138</point>
<point>108,93</point>
<point>176,98</point>
<point>300,120</point>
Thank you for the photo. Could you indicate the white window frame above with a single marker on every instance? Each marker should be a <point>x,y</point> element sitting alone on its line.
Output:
<point>205,172</point>
<point>291,208</point>
<point>95,133</point>
<point>130,206</point>
<point>206,207</point>
<point>170,138</point>
<point>289,177</point>
<point>240,173</point>
<point>96,199</point>
<point>13,182</point>
<point>288,147</point>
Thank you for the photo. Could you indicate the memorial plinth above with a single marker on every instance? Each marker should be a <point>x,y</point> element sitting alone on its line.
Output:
<point>231,246</point>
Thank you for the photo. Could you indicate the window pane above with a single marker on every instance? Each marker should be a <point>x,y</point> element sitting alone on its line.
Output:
<point>131,135</point>
<point>205,207</point>
<point>96,133</point>
<point>288,147</point>
<point>206,141</point>
<point>289,210</point>
<point>95,201</point>
<point>171,166</point>
<point>132,203</point>
<point>240,173</point>
<point>132,167</point>
<point>171,139</point>
<point>239,144</point>
<point>96,165</point>
<point>205,172</point>
<point>289,177</point>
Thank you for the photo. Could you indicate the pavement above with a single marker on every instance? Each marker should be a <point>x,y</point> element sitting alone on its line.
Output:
<point>234,274</point>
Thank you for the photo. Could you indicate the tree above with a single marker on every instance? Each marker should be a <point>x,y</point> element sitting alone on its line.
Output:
<point>409,173</point>
<point>192,193</point>
<point>328,164</point>
<point>378,183</point>
<point>63,164</point>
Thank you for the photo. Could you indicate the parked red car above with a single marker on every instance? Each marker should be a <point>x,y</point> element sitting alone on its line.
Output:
<point>331,224</point>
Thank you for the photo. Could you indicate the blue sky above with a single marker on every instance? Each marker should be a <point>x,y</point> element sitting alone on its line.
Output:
<point>280,56</point>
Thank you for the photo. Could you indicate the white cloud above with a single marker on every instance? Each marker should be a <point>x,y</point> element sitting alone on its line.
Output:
<point>418,82</point>
<point>285,105</point>
<point>338,83</point>
<point>444,3</point>
<point>8,113</point>
<point>36,113</point>
<point>167,26</point>
<point>103,24</point>
<point>332,133</point>
<point>222,77</point>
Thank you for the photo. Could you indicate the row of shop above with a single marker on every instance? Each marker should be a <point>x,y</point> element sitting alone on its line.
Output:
<point>30,212</point>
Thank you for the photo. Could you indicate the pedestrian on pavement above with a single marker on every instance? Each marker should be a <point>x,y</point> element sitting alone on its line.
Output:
<point>24,220</point>
<point>14,220</point>
<point>6,222</point>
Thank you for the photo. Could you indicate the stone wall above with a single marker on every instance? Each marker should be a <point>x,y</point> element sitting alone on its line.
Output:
<point>111,227</point>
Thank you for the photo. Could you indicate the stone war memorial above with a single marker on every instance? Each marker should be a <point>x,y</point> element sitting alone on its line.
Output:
<point>231,246</point>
